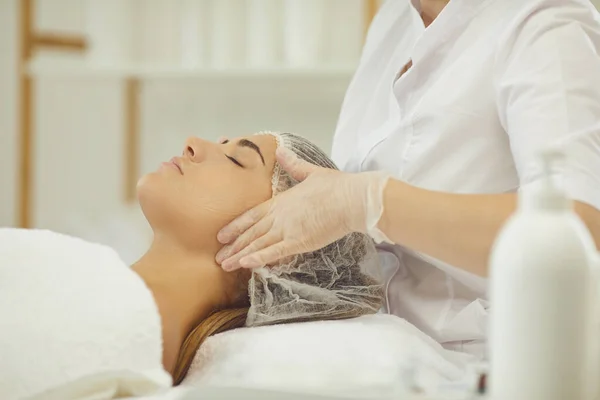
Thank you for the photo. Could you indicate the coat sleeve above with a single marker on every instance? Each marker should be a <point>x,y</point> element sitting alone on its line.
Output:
<point>547,81</point>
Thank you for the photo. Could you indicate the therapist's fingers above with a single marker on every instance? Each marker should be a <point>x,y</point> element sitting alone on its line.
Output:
<point>268,255</point>
<point>296,167</point>
<point>254,232</point>
<point>265,241</point>
<point>239,225</point>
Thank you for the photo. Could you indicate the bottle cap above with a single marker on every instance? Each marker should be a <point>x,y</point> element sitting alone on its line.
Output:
<point>546,194</point>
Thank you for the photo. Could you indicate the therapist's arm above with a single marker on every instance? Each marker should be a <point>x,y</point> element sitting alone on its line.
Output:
<point>458,229</point>
<point>547,82</point>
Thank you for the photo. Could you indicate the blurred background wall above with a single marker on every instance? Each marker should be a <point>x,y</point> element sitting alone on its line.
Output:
<point>189,84</point>
<point>8,111</point>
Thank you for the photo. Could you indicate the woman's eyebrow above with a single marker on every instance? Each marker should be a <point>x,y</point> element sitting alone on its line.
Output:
<point>253,146</point>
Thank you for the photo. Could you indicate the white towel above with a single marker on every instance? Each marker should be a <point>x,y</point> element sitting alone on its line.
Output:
<point>75,321</point>
<point>374,355</point>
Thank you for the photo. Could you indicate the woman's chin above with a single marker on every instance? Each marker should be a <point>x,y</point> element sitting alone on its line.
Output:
<point>151,185</point>
<point>142,188</point>
<point>151,196</point>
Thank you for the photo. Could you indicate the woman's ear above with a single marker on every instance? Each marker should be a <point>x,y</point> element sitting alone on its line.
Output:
<point>237,288</point>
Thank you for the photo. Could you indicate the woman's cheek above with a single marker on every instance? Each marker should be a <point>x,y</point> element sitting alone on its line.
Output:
<point>237,199</point>
<point>230,194</point>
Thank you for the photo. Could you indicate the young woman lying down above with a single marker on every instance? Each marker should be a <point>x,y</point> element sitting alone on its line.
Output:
<point>74,317</point>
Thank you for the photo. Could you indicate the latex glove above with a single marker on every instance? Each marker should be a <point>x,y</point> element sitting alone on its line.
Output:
<point>325,206</point>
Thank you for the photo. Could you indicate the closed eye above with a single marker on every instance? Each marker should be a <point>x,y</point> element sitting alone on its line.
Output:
<point>233,160</point>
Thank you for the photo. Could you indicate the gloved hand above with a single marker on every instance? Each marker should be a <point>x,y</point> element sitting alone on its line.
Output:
<point>325,206</point>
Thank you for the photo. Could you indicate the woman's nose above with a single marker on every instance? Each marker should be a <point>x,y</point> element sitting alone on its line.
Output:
<point>194,149</point>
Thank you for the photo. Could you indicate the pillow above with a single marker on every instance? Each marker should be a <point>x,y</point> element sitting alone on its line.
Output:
<point>374,354</point>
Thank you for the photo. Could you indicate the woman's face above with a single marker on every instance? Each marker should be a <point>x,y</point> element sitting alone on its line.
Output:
<point>194,195</point>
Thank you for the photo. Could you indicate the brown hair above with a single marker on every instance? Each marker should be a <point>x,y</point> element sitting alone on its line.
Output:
<point>217,322</point>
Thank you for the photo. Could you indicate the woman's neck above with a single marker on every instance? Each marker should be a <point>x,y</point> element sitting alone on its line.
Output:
<point>430,9</point>
<point>180,281</point>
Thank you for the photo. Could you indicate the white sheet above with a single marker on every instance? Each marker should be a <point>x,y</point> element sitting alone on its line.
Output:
<point>229,393</point>
<point>77,323</point>
<point>376,354</point>
<point>61,295</point>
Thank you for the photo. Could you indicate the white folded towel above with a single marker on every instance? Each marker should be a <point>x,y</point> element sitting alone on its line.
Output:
<point>374,355</point>
<point>75,321</point>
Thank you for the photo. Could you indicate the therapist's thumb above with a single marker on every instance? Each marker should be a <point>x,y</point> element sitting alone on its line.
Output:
<point>297,168</point>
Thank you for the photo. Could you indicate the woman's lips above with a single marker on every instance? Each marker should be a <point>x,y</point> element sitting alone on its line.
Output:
<point>174,163</point>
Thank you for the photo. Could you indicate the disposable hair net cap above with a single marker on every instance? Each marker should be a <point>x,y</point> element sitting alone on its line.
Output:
<point>341,280</point>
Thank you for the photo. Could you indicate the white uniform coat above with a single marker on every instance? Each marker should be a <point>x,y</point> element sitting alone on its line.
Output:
<point>492,83</point>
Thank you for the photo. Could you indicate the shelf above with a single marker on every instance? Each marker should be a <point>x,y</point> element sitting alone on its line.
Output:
<point>333,72</point>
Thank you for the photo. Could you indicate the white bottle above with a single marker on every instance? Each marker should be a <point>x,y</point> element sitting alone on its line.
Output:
<point>540,279</point>
<point>594,334</point>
